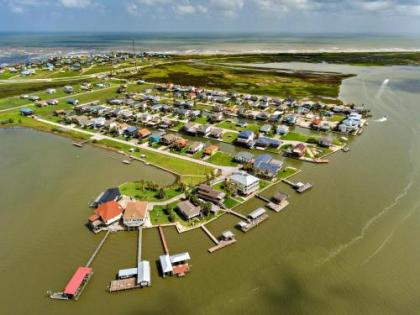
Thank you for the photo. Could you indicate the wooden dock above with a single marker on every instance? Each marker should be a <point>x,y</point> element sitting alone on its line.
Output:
<point>239,215</point>
<point>123,284</point>
<point>98,248</point>
<point>220,245</point>
<point>80,144</point>
<point>254,223</point>
<point>163,239</point>
<point>211,236</point>
<point>277,207</point>
<point>139,242</point>
<point>263,198</point>
<point>299,187</point>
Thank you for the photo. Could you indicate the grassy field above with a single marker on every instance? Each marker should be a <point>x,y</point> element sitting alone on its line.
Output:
<point>256,81</point>
<point>356,58</point>
<point>222,158</point>
<point>142,192</point>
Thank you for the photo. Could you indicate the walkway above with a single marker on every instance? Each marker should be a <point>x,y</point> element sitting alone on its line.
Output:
<point>97,249</point>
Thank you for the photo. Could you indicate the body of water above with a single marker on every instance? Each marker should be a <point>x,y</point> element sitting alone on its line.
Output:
<point>17,47</point>
<point>349,246</point>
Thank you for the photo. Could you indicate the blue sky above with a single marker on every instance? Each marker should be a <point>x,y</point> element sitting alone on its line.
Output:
<point>352,16</point>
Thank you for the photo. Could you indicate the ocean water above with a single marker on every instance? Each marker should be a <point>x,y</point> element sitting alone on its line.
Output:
<point>17,47</point>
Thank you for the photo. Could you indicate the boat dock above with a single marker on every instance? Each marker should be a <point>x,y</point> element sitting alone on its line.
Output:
<point>163,239</point>
<point>239,215</point>
<point>98,248</point>
<point>277,207</point>
<point>299,187</point>
<point>80,144</point>
<point>123,284</point>
<point>247,226</point>
<point>139,242</point>
<point>263,198</point>
<point>211,236</point>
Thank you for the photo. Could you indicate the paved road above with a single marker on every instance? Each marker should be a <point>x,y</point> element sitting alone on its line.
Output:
<point>226,170</point>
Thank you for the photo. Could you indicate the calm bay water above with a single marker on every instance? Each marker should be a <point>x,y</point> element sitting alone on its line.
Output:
<point>349,246</point>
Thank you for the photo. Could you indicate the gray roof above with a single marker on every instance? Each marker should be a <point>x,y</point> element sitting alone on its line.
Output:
<point>143,275</point>
<point>243,178</point>
<point>256,213</point>
<point>165,263</point>
<point>180,257</point>
<point>127,273</point>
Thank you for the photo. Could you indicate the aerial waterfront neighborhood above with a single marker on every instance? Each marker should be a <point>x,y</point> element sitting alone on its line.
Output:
<point>225,148</point>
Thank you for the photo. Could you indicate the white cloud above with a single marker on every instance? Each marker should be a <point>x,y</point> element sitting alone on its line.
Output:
<point>185,9</point>
<point>75,3</point>
<point>228,8</point>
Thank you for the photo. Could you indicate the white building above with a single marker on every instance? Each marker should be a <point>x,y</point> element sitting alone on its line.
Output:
<point>245,183</point>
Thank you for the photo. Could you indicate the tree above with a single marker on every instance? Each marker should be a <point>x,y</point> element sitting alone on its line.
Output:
<point>206,208</point>
<point>161,193</point>
<point>171,216</point>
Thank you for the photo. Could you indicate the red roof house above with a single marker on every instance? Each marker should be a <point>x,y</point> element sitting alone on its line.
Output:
<point>109,212</point>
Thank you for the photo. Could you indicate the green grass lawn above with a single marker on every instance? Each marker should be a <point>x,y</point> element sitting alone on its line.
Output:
<point>230,202</point>
<point>229,137</point>
<point>294,136</point>
<point>222,158</point>
<point>228,125</point>
<point>287,172</point>
<point>141,192</point>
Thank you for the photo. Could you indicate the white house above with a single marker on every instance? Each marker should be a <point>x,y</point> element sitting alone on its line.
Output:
<point>245,183</point>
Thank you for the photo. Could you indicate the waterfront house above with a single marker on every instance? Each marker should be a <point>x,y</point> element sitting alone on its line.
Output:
<point>245,183</point>
<point>216,133</point>
<point>206,192</point>
<point>211,149</point>
<point>111,194</point>
<point>264,142</point>
<point>266,166</point>
<point>155,137</point>
<point>266,128</point>
<point>243,157</point>
<point>325,142</point>
<point>246,137</point>
<point>216,117</point>
<point>190,128</point>
<point>26,111</point>
<point>51,91</point>
<point>188,210</point>
<point>135,214</point>
<point>299,150</point>
<point>109,212</point>
<point>195,147</point>
<point>204,130</point>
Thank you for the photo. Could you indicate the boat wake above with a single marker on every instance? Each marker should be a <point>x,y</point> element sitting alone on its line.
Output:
<point>368,224</point>
<point>382,119</point>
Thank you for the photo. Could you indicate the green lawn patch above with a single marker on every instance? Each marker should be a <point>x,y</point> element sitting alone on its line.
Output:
<point>148,191</point>
<point>222,158</point>
<point>229,137</point>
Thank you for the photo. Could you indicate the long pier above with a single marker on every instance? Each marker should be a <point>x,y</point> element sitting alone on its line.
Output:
<point>163,239</point>
<point>263,198</point>
<point>211,236</point>
<point>237,214</point>
<point>139,242</point>
<point>288,182</point>
<point>98,248</point>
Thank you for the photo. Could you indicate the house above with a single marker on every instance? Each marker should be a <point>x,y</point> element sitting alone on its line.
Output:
<point>245,183</point>
<point>98,122</point>
<point>216,117</point>
<point>264,142</point>
<point>51,91</point>
<point>68,89</point>
<point>109,212</point>
<point>246,137</point>
<point>52,102</point>
<point>299,150</point>
<point>190,128</point>
<point>195,147</point>
<point>26,111</point>
<point>135,214</point>
<point>282,130</point>
<point>188,210</point>
<point>130,131</point>
<point>216,133</point>
<point>207,193</point>
<point>244,157</point>
<point>266,166</point>
<point>180,143</point>
<point>211,149</point>
<point>168,139</point>
<point>266,128</point>
<point>73,101</point>
<point>204,130</point>
<point>155,137</point>
<point>59,112</point>
<point>143,133</point>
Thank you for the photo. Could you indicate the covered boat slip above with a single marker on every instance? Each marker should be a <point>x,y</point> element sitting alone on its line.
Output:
<point>75,285</point>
